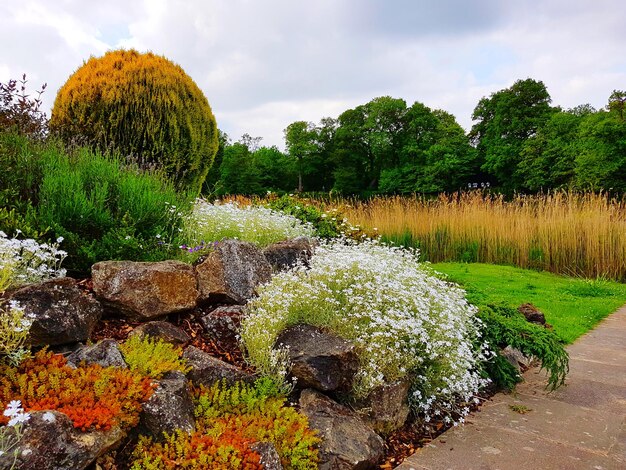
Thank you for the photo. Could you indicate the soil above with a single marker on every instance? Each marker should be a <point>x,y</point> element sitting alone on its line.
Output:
<point>398,446</point>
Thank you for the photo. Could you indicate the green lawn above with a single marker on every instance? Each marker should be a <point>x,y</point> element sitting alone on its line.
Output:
<point>573,306</point>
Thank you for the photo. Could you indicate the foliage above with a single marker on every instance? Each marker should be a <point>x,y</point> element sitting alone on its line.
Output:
<point>93,397</point>
<point>504,121</point>
<point>26,261</point>
<point>228,420</point>
<point>14,328</point>
<point>327,223</point>
<point>506,326</point>
<point>406,322</point>
<point>105,210</point>
<point>582,234</point>
<point>141,105</point>
<point>229,451</point>
<point>572,306</point>
<point>258,225</point>
<point>21,113</point>
<point>152,357</point>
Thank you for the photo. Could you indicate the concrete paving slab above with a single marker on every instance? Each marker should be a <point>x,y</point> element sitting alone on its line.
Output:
<point>580,426</point>
<point>479,447</point>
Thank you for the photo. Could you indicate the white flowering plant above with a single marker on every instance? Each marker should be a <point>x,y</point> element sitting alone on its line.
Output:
<point>12,433</point>
<point>14,327</point>
<point>407,323</point>
<point>26,261</point>
<point>259,225</point>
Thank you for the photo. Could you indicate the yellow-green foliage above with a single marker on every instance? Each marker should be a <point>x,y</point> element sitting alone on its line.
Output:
<point>228,420</point>
<point>141,105</point>
<point>152,357</point>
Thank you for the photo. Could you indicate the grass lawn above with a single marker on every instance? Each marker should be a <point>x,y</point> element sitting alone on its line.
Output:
<point>573,306</point>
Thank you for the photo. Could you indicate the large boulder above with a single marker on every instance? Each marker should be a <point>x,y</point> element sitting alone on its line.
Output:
<point>145,291</point>
<point>206,369</point>
<point>222,324</point>
<point>169,408</point>
<point>386,408</point>
<point>289,253</point>
<point>164,331</point>
<point>48,441</point>
<point>62,313</point>
<point>347,442</point>
<point>105,353</point>
<point>319,359</point>
<point>231,272</point>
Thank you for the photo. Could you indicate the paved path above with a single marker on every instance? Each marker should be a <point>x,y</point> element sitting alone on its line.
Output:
<point>580,426</point>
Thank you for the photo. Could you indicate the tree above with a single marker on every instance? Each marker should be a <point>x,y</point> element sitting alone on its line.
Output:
<point>617,101</point>
<point>548,158</point>
<point>300,139</point>
<point>143,106</point>
<point>212,182</point>
<point>601,157</point>
<point>504,121</point>
<point>276,170</point>
<point>238,173</point>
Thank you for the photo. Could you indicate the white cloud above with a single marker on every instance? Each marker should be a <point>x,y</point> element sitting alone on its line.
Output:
<point>263,65</point>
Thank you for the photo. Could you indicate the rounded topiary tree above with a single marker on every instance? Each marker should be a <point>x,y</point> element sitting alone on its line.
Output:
<point>140,105</point>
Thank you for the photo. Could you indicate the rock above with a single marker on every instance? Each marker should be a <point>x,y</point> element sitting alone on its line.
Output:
<point>319,360</point>
<point>269,456</point>
<point>105,353</point>
<point>48,441</point>
<point>162,330</point>
<point>231,272</point>
<point>170,407</point>
<point>206,370</point>
<point>144,291</point>
<point>386,408</point>
<point>517,358</point>
<point>347,442</point>
<point>532,314</point>
<point>222,324</point>
<point>289,253</point>
<point>62,312</point>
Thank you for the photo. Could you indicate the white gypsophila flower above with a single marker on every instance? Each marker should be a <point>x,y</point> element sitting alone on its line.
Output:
<point>259,225</point>
<point>405,321</point>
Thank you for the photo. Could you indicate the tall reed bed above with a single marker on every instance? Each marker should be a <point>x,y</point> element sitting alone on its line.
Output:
<point>581,234</point>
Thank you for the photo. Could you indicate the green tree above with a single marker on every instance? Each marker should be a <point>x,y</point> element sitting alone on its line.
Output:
<point>505,120</point>
<point>617,101</point>
<point>277,171</point>
<point>300,138</point>
<point>548,158</point>
<point>238,172</point>
<point>601,158</point>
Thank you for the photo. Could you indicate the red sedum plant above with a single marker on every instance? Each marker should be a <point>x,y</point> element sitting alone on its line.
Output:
<point>94,397</point>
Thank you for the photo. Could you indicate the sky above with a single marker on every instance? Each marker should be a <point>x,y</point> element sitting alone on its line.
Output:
<point>264,64</point>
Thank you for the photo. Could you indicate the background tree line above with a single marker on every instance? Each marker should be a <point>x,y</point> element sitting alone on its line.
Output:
<point>518,142</point>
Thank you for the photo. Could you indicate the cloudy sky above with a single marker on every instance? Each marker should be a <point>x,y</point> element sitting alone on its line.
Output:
<point>265,63</point>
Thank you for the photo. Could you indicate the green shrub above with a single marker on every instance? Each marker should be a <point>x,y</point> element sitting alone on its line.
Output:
<point>152,358</point>
<point>105,210</point>
<point>506,326</point>
<point>143,106</point>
